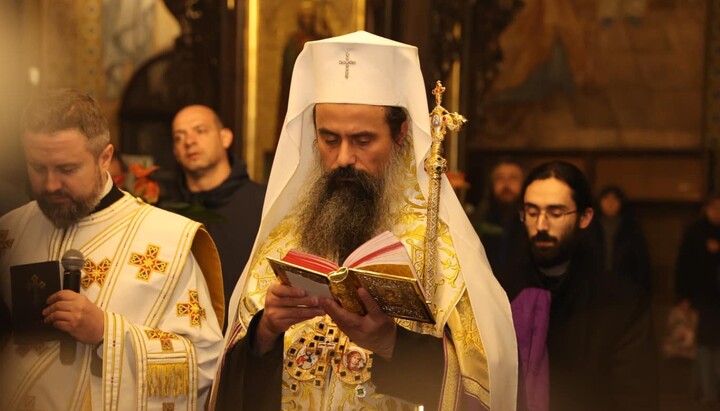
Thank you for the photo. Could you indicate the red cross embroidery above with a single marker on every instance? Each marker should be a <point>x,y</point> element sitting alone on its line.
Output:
<point>192,309</point>
<point>148,262</point>
<point>94,273</point>
<point>164,337</point>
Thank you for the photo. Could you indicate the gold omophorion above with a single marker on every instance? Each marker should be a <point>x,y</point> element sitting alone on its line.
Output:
<point>440,121</point>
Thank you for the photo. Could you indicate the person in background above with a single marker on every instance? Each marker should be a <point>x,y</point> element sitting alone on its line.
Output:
<point>216,191</point>
<point>621,238</point>
<point>585,338</point>
<point>496,219</point>
<point>697,280</point>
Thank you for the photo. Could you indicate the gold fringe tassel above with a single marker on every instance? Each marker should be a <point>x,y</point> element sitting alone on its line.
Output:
<point>168,380</point>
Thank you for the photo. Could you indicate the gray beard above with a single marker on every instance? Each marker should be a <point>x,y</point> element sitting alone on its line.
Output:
<point>345,207</point>
<point>65,216</point>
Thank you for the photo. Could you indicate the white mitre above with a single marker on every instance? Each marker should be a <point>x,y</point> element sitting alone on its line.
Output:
<point>363,68</point>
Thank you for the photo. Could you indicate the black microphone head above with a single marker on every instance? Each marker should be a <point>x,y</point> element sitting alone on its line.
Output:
<point>73,260</point>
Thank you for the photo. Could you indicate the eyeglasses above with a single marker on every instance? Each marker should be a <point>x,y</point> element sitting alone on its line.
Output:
<point>554,214</point>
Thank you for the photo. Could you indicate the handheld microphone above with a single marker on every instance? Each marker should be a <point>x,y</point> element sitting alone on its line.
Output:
<point>72,262</point>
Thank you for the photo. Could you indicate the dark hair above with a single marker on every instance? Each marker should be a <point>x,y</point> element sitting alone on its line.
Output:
<point>395,117</point>
<point>617,192</point>
<point>68,109</point>
<point>568,174</point>
<point>506,161</point>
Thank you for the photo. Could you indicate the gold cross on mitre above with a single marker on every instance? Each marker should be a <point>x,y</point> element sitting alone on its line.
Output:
<point>347,62</point>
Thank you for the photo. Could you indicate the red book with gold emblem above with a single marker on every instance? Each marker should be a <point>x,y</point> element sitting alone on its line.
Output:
<point>382,266</point>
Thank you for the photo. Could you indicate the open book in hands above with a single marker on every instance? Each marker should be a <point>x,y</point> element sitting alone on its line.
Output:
<point>382,266</point>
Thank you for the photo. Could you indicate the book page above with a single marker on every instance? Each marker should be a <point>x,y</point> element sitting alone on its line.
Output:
<point>314,283</point>
<point>312,286</point>
<point>310,261</point>
<point>383,248</point>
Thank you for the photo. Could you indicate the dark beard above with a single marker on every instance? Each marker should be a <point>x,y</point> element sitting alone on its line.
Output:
<point>341,214</point>
<point>66,215</point>
<point>548,257</point>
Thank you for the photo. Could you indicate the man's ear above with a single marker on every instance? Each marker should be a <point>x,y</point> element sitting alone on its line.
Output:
<point>226,136</point>
<point>105,158</point>
<point>586,217</point>
<point>400,140</point>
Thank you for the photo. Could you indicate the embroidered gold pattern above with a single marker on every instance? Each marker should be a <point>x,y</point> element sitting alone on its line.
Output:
<point>5,242</point>
<point>164,337</point>
<point>192,309</point>
<point>409,225</point>
<point>148,262</point>
<point>94,273</point>
<point>323,349</point>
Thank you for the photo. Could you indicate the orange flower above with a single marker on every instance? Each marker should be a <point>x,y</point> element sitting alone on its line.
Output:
<point>457,180</point>
<point>145,187</point>
<point>141,172</point>
<point>119,180</point>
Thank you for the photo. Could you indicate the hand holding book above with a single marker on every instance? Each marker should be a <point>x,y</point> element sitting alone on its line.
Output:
<point>374,331</point>
<point>284,307</point>
<point>381,266</point>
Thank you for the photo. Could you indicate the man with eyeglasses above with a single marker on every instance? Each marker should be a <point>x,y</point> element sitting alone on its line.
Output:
<point>585,338</point>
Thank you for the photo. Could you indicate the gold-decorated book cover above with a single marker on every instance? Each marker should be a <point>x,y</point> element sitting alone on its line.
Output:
<point>31,285</point>
<point>381,266</point>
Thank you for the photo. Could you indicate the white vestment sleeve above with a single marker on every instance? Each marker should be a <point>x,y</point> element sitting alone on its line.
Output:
<point>150,368</point>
